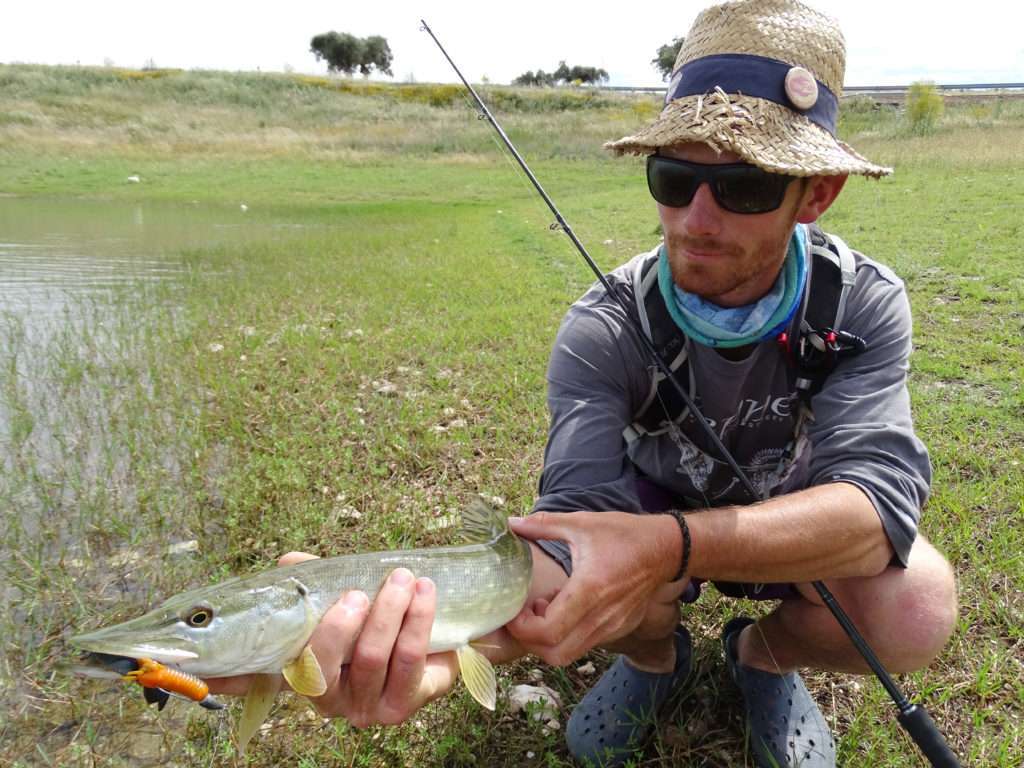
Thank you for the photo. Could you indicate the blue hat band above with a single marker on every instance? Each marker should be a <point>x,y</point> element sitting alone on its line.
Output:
<point>756,76</point>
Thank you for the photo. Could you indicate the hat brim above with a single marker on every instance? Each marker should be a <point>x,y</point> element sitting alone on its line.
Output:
<point>766,134</point>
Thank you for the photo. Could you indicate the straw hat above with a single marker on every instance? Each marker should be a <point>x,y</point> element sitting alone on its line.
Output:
<point>761,78</point>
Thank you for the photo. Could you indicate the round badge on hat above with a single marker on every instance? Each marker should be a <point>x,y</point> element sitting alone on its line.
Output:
<point>801,88</point>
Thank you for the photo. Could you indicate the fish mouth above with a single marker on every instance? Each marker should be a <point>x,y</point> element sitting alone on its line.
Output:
<point>107,645</point>
<point>122,665</point>
<point>104,666</point>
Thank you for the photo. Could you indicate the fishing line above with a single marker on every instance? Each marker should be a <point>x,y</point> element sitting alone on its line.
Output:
<point>915,719</point>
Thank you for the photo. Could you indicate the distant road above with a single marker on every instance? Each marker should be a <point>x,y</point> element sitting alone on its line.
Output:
<point>952,87</point>
<point>862,88</point>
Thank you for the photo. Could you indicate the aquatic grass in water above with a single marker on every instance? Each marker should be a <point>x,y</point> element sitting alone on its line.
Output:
<point>93,460</point>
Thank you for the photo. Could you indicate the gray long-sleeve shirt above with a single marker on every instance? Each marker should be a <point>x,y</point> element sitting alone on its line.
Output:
<point>861,431</point>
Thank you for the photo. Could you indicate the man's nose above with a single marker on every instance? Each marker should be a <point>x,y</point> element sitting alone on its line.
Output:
<point>703,216</point>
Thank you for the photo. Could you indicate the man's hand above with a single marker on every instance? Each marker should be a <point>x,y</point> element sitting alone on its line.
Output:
<point>622,566</point>
<point>374,658</point>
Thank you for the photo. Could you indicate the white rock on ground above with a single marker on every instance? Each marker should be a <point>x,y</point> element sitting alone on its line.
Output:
<point>546,701</point>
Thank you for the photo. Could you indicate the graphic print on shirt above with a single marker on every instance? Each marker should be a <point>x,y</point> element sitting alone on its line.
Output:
<point>693,462</point>
<point>767,466</point>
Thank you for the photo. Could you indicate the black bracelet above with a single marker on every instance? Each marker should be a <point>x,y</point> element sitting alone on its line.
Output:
<point>684,529</point>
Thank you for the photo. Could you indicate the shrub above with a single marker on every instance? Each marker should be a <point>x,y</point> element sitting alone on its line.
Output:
<point>858,105</point>
<point>645,110</point>
<point>924,107</point>
<point>144,74</point>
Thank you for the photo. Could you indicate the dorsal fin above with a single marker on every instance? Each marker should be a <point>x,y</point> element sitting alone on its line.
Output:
<point>482,522</point>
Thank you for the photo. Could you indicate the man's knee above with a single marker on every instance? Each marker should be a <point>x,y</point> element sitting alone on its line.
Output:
<point>906,614</point>
<point>927,607</point>
<point>917,618</point>
<point>659,621</point>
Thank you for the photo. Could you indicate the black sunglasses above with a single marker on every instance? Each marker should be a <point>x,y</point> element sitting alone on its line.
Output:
<point>736,187</point>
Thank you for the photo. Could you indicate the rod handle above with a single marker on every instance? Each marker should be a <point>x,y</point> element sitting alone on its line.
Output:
<point>918,723</point>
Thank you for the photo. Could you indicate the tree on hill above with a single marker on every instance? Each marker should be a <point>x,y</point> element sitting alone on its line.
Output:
<point>342,52</point>
<point>666,58</point>
<point>577,74</point>
<point>347,53</point>
<point>564,74</point>
<point>376,53</point>
<point>540,77</point>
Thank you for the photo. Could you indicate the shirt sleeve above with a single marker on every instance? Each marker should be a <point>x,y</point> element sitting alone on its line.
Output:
<point>862,431</point>
<point>591,379</point>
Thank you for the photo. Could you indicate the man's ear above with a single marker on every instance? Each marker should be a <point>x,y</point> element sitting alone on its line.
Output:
<point>819,195</point>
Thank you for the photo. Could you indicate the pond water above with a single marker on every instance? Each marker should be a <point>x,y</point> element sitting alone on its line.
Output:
<point>70,267</point>
<point>76,279</point>
<point>54,251</point>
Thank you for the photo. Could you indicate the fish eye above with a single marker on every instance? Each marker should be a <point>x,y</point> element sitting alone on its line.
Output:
<point>200,616</point>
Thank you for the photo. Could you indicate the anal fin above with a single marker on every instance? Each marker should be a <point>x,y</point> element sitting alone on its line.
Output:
<point>258,702</point>
<point>478,674</point>
<point>304,675</point>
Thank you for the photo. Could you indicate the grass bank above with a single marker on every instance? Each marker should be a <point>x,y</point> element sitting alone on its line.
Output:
<point>350,386</point>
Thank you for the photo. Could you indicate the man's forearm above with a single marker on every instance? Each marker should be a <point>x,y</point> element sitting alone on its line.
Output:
<point>828,531</point>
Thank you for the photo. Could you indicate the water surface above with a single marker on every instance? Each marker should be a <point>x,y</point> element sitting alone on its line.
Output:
<point>53,252</point>
<point>80,283</point>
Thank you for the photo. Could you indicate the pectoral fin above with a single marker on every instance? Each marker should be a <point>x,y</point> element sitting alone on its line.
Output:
<point>258,702</point>
<point>304,675</point>
<point>478,675</point>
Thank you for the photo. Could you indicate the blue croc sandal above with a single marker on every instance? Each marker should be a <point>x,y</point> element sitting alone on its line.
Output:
<point>618,714</point>
<point>785,728</point>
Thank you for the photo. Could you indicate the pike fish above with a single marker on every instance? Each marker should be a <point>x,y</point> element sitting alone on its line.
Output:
<point>260,624</point>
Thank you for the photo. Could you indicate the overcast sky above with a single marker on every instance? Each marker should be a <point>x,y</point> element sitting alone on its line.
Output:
<point>889,42</point>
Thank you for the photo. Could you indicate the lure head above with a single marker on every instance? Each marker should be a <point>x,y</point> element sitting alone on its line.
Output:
<point>235,627</point>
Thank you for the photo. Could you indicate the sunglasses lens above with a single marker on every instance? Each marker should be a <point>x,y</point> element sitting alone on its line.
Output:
<point>749,190</point>
<point>671,184</point>
<point>737,187</point>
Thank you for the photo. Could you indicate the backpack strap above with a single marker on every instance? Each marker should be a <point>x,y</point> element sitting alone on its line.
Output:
<point>817,325</point>
<point>670,343</point>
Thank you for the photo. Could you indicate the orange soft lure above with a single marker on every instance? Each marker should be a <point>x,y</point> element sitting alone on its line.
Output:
<point>159,680</point>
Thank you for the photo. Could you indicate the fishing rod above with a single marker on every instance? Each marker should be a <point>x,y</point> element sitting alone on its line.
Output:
<point>914,719</point>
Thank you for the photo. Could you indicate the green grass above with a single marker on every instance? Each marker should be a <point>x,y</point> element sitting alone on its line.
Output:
<point>244,408</point>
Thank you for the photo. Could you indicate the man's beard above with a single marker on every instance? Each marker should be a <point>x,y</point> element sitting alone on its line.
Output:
<point>732,269</point>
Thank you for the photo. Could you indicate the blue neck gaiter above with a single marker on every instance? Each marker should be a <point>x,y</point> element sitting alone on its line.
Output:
<point>715,326</point>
